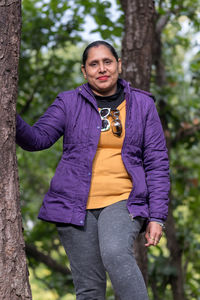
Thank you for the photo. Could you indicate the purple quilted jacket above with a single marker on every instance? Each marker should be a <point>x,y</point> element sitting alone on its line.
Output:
<point>74,114</point>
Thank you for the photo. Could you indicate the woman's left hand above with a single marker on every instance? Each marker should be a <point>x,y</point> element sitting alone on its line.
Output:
<point>153,234</point>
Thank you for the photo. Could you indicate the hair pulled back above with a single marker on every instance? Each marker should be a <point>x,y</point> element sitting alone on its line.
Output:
<point>96,44</point>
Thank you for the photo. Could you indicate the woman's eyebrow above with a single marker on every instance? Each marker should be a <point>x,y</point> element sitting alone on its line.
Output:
<point>97,60</point>
<point>93,61</point>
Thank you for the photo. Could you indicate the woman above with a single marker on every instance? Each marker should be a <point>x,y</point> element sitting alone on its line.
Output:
<point>112,179</point>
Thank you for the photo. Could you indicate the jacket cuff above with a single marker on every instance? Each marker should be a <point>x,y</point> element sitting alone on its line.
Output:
<point>156,220</point>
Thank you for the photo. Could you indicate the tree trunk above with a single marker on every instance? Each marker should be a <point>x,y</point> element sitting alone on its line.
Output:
<point>137,44</point>
<point>140,252</point>
<point>137,52</point>
<point>175,260</point>
<point>14,283</point>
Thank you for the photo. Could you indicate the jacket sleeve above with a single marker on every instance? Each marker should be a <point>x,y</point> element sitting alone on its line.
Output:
<point>156,165</point>
<point>45,132</point>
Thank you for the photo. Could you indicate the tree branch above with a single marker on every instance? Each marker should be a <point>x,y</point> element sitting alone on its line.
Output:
<point>32,251</point>
<point>162,22</point>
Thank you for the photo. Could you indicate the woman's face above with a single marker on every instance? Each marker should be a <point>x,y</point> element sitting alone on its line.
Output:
<point>102,70</point>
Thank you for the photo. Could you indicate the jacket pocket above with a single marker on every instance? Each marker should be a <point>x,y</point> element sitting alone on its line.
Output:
<point>140,190</point>
<point>67,179</point>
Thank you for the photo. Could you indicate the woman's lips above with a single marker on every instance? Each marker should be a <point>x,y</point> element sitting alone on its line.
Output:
<point>103,78</point>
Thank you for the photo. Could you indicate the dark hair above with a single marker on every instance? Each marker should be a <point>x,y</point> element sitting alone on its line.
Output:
<point>96,44</point>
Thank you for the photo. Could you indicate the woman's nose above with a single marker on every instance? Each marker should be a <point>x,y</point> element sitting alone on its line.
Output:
<point>102,67</point>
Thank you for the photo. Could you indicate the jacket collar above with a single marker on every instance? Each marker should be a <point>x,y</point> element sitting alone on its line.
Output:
<point>87,93</point>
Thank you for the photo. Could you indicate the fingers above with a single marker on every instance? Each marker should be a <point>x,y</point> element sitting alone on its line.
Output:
<point>153,234</point>
<point>152,241</point>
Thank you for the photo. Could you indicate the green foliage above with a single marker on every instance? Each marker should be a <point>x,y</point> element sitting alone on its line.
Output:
<point>47,51</point>
<point>195,71</point>
<point>101,12</point>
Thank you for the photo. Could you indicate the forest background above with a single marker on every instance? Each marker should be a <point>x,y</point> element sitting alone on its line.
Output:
<point>54,33</point>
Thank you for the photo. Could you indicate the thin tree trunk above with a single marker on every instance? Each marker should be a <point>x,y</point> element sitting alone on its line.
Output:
<point>137,52</point>
<point>175,260</point>
<point>176,280</point>
<point>14,283</point>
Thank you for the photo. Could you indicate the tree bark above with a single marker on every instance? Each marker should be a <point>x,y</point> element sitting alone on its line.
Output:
<point>14,283</point>
<point>140,252</point>
<point>137,53</point>
<point>175,260</point>
<point>137,44</point>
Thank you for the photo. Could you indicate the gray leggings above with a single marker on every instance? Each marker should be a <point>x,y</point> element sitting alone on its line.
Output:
<point>104,244</point>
